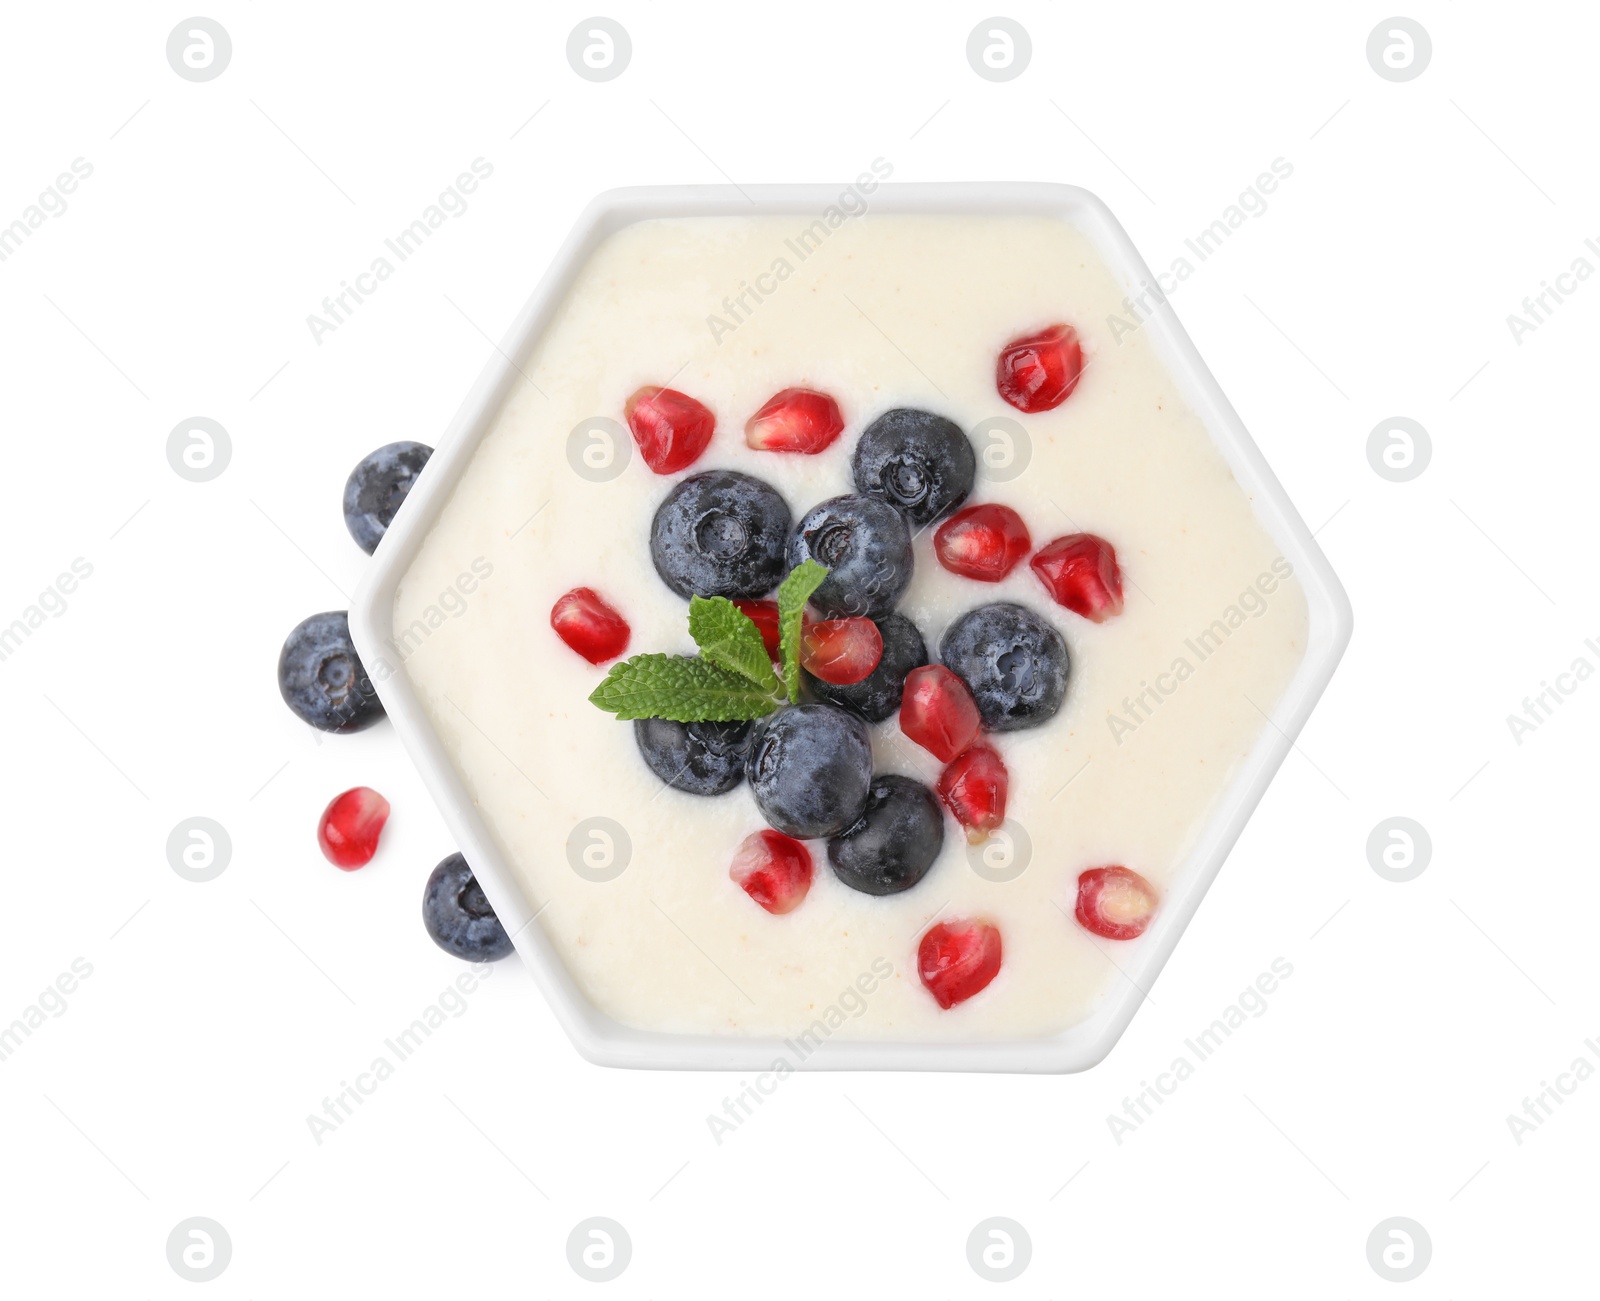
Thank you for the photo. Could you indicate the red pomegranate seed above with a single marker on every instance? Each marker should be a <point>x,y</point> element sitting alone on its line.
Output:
<point>795,420</point>
<point>1081,573</point>
<point>841,651</point>
<point>350,826</point>
<point>938,712</point>
<point>1115,902</point>
<point>958,959</point>
<point>974,789</point>
<point>671,428</point>
<point>1039,371</point>
<point>982,542</point>
<point>773,870</point>
<point>764,614</point>
<point>586,623</point>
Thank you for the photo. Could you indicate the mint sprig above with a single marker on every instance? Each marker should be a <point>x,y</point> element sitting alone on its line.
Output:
<point>732,679</point>
<point>793,593</point>
<point>682,688</point>
<point>727,636</point>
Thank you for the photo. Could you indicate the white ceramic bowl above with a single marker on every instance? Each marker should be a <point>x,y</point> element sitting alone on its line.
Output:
<point>596,1035</point>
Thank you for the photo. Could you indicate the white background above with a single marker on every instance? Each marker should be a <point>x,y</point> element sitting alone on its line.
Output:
<point>218,1015</point>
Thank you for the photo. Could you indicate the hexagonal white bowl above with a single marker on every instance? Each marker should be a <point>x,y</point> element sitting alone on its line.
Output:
<point>597,1036</point>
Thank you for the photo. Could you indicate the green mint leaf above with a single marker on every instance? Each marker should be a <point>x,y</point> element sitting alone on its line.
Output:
<point>680,688</point>
<point>727,636</point>
<point>793,593</point>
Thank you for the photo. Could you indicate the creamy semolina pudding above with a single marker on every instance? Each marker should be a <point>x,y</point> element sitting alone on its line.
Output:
<point>1048,629</point>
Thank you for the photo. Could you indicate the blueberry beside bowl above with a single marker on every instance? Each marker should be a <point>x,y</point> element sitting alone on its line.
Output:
<point>458,916</point>
<point>377,487</point>
<point>323,680</point>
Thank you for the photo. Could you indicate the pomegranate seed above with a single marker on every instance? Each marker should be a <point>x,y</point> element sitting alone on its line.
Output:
<point>586,623</point>
<point>1115,902</point>
<point>974,788</point>
<point>982,542</point>
<point>795,420</point>
<point>764,614</point>
<point>938,712</point>
<point>957,959</point>
<point>841,651</point>
<point>773,870</point>
<point>1039,371</point>
<point>1081,573</point>
<point>671,428</point>
<point>350,826</point>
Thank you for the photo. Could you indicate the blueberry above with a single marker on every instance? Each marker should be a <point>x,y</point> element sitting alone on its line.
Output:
<point>700,758</point>
<point>809,768</point>
<point>322,678</point>
<point>377,486</point>
<point>895,841</point>
<point>1014,662</point>
<point>458,917</point>
<point>920,463</point>
<point>877,696</point>
<point>867,548</point>
<point>720,533</point>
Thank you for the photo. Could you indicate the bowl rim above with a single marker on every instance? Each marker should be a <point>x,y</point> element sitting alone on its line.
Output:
<point>597,1036</point>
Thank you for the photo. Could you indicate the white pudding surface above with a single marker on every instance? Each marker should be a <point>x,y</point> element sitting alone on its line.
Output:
<point>887,311</point>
